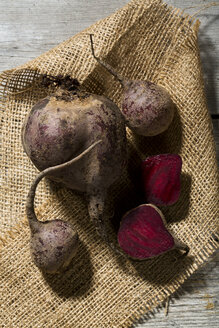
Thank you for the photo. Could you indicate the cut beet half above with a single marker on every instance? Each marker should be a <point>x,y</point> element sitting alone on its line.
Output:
<point>161,178</point>
<point>143,234</point>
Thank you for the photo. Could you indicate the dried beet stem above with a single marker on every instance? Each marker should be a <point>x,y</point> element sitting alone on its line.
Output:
<point>182,247</point>
<point>105,65</point>
<point>146,107</point>
<point>31,215</point>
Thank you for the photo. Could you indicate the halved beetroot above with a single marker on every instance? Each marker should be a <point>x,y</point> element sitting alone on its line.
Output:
<point>143,234</point>
<point>161,178</point>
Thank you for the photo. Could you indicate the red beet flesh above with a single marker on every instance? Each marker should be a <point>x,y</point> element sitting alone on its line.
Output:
<point>142,233</point>
<point>161,178</point>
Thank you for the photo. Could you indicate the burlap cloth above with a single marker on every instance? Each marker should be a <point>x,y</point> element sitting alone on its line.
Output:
<point>144,40</point>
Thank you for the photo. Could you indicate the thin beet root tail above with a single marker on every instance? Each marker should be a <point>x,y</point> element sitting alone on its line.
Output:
<point>105,65</point>
<point>31,215</point>
<point>96,209</point>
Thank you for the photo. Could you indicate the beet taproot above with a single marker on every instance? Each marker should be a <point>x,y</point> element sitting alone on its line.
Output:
<point>161,178</point>
<point>64,124</point>
<point>143,234</point>
<point>147,107</point>
<point>54,243</point>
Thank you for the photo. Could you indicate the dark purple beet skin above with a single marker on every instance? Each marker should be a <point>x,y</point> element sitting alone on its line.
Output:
<point>161,178</point>
<point>53,245</point>
<point>62,125</point>
<point>60,128</point>
<point>142,233</point>
<point>49,137</point>
<point>147,107</point>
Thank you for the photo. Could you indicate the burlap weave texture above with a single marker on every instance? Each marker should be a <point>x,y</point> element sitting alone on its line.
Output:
<point>144,40</point>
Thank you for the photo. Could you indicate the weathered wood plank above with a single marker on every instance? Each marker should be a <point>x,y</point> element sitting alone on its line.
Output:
<point>208,44</point>
<point>195,305</point>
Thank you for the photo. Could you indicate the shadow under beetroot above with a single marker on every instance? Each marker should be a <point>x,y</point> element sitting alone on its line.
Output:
<point>169,141</point>
<point>133,196</point>
<point>162,270</point>
<point>76,280</point>
<point>129,197</point>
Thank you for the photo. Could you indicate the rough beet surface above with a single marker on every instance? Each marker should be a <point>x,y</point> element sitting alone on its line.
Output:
<point>53,245</point>
<point>161,178</point>
<point>61,126</point>
<point>147,107</point>
<point>142,233</point>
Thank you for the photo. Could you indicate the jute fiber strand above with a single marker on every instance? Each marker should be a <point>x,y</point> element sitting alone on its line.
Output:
<point>144,40</point>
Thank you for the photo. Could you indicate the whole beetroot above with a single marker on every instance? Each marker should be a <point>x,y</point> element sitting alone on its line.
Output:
<point>143,234</point>
<point>64,124</point>
<point>147,107</point>
<point>53,243</point>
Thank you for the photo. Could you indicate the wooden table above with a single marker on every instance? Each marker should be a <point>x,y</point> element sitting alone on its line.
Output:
<point>29,28</point>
